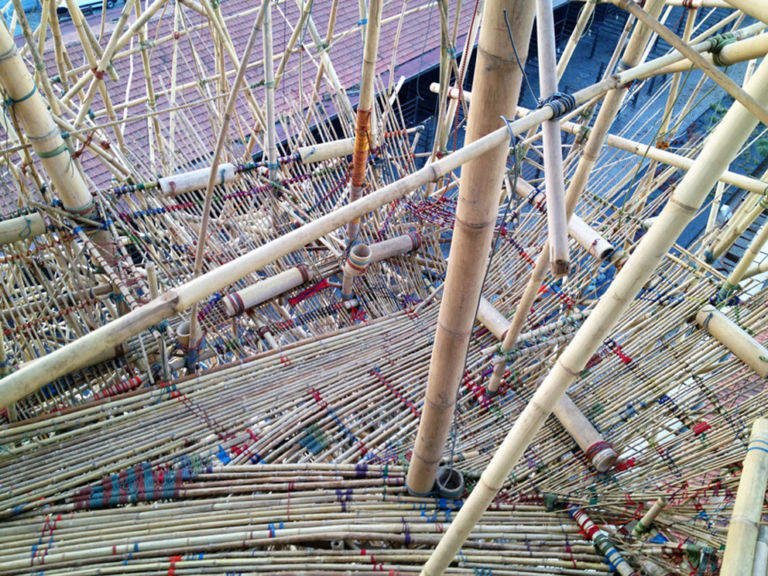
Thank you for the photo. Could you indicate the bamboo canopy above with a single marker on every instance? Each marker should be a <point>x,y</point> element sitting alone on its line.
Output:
<point>201,372</point>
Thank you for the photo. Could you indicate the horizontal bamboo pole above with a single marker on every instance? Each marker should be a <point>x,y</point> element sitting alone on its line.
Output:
<point>76,354</point>
<point>733,337</point>
<point>263,290</point>
<point>718,151</point>
<point>739,554</point>
<point>396,246</point>
<point>21,228</point>
<point>196,179</point>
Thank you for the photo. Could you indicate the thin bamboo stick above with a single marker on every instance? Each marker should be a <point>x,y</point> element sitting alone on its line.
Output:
<point>738,558</point>
<point>496,87</point>
<point>364,108</point>
<point>718,151</point>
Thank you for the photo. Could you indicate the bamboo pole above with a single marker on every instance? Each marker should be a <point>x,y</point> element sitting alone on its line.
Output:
<point>738,558</point>
<point>32,111</point>
<point>644,524</point>
<point>557,221</point>
<point>730,335</point>
<point>21,228</point>
<point>741,269</point>
<point>585,16</point>
<point>747,49</point>
<point>757,269</point>
<point>263,290</point>
<point>720,148</point>
<point>755,8</point>
<point>269,78</point>
<point>364,108</point>
<point>578,182</point>
<point>713,72</point>
<point>355,265</point>
<point>78,353</point>
<point>496,87</point>
<point>760,567</point>
<point>213,170</point>
<point>614,558</point>
<point>599,452</point>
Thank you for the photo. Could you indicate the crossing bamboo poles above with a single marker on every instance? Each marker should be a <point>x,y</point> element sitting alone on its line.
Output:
<point>213,174</point>
<point>720,148</point>
<point>495,91</point>
<point>32,376</point>
<point>364,109</point>
<point>578,183</point>
<point>739,554</point>
<point>557,221</point>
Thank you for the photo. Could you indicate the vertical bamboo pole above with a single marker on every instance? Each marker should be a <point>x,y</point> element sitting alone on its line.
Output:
<point>495,91</point>
<point>739,554</point>
<point>364,107</point>
<point>269,78</point>
<point>719,149</point>
<point>644,524</point>
<point>214,173</point>
<point>760,567</point>
<point>585,15</point>
<point>557,221</point>
<point>578,183</point>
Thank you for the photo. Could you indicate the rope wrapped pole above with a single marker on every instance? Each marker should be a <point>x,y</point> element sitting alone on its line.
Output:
<point>718,151</point>
<point>739,554</point>
<point>364,109</point>
<point>495,91</point>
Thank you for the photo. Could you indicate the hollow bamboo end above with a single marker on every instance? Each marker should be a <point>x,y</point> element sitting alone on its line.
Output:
<point>604,457</point>
<point>560,268</point>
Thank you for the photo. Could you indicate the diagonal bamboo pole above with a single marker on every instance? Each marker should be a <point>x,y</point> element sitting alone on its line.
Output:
<point>755,8</point>
<point>364,108</point>
<point>557,221</point>
<point>578,183</point>
<point>214,170</point>
<point>738,93</point>
<point>32,111</point>
<point>495,91</point>
<point>81,353</point>
<point>720,148</point>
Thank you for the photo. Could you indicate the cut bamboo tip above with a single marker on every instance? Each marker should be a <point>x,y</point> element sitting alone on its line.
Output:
<point>734,338</point>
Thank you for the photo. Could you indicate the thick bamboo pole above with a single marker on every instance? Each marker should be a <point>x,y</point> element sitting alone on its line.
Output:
<point>755,8</point>
<point>263,290</point>
<point>720,148</point>
<point>557,221</point>
<point>32,111</point>
<point>21,228</point>
<point>496,87</point>
<point>599,452</point>
<point>733,337</point>
<point>81,352</point>
<point>364,108</point>
<point>760,567</point>
<point>739,554</point>
<point>269,78</point>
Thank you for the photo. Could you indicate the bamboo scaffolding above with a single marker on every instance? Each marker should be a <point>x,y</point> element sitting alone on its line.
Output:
<point>496,85</point>
<point>721,146</point>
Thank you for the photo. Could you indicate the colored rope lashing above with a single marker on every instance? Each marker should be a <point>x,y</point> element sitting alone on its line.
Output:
<point>717,43</point>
